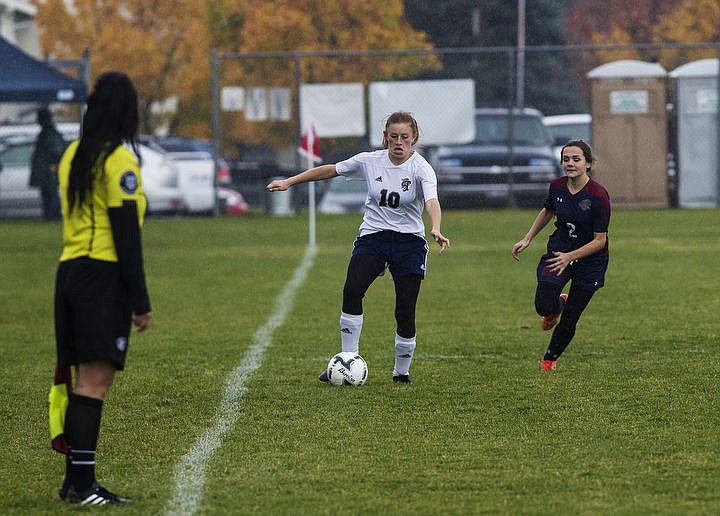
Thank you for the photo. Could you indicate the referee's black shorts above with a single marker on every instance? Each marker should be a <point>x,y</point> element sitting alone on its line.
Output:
<point>93,313</point>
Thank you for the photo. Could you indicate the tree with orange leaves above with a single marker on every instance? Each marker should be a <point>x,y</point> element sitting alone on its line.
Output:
<point>164,46</point>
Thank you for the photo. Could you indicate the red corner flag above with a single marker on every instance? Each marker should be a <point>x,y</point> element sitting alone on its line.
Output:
<point>310,145</point>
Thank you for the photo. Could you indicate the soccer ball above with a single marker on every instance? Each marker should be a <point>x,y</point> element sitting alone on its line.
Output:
<point>347,368</point>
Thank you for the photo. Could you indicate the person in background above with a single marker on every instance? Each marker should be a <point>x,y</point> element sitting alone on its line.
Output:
<point>49,146</point>
<point>400,184</point>
<point>100,286</point>
<point>577,251</point>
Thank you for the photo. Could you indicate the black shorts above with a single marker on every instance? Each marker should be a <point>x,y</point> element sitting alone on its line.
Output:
<point>402,253</point>
<point>586,273</point>
<point>93,313</point>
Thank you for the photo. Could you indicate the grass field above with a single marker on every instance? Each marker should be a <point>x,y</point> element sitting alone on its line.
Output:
<point>628,424</point>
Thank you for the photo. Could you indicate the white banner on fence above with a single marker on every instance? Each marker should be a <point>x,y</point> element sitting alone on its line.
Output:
<point>335,110</point>
<point>444,109</point>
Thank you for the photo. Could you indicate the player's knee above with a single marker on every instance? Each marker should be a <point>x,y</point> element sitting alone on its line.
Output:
<point>545,307</point>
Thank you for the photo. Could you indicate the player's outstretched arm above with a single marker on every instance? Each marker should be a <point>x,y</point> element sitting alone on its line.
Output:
<point>313,174</point>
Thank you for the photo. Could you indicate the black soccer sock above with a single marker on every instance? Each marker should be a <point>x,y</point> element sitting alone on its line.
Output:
<point>82,426</point>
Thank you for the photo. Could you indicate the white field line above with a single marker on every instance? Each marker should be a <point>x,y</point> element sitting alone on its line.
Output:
<point>190,471</point>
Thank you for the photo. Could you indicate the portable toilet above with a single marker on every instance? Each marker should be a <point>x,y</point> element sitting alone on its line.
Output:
<point>696,101</point>
<point>629,132</point>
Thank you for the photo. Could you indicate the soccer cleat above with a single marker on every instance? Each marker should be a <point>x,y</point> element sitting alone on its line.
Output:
<point>96,495</point>
<point>549,321</point>
<point>324,377</point>
<point>401,378</point>
<point>62,492</point>
<point>547,365</point>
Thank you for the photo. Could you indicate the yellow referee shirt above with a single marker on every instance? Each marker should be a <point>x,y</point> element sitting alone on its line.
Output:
<point>87,232</point>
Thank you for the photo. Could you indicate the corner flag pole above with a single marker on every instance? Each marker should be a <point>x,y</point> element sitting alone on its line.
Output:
<point>311,207</point>
<point>310,148</point>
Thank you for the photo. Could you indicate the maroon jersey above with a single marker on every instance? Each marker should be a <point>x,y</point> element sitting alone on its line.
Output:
<point>578,216</point>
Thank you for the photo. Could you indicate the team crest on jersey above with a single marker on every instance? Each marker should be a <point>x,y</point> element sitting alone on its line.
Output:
<point>585,204</point>
<point>129,182</point>
<point>405,184</point>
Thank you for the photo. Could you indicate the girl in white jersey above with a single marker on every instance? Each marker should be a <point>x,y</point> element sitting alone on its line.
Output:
<point>392,234</point>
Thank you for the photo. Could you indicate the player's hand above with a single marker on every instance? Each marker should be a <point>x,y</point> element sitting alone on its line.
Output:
<point>519,248</point>
<point>441,240</point>
<point>559,262</point>
<point>142,321</point>
<point>278,185</point>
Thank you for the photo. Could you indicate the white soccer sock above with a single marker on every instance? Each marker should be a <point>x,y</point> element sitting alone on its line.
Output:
<point>350,328</point>
<point>404,349</point>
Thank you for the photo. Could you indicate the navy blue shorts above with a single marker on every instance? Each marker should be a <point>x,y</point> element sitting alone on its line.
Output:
<point>93,313</point>
<point>402,253</point>
<point>587,273</point>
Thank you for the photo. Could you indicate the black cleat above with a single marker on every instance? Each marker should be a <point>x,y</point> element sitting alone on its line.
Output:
<point>62,492</point>
<point>96,495</point>
<point>401,378</point>
<point>324,377</point>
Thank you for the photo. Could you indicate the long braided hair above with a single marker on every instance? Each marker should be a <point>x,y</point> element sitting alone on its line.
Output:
<point>110,120</point>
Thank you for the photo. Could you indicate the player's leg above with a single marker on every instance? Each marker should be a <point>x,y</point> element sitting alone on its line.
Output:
<point>547,298</point>
<point>362,271</point>
<point>82,421</point>
<point>588,277</point>
<point>549,303</point>
<point>407,290</point>
<point>577,301</point>
<point>101,312</point>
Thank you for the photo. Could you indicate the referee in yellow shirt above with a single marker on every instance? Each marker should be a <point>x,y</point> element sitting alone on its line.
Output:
<point>100,288</point>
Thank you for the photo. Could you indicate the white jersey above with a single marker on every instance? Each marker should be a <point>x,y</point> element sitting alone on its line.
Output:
<point>396,193</point>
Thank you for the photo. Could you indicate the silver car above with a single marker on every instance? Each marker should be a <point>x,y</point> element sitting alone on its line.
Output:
<point>173,182</point>
<point>17,197</point>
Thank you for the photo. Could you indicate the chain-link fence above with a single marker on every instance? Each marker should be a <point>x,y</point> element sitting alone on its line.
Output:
<point>654,121</point>
<point>260,113</point>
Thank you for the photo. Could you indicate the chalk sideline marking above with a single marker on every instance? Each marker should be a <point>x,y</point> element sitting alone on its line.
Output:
<point>190,471</point>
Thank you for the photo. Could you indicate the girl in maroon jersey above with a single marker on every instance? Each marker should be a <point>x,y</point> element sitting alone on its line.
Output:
<point>577,251</point>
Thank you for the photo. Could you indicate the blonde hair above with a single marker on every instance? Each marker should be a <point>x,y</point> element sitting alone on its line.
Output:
<point>401,117</point>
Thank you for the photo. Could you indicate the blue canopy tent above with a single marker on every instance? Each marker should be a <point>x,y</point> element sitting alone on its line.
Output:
<point>26,79</point>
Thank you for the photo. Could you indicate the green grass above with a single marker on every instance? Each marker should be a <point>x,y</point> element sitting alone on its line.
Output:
<point>627,425</point>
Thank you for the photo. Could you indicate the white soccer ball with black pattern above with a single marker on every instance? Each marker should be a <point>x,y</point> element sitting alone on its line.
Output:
<point>347,368</point>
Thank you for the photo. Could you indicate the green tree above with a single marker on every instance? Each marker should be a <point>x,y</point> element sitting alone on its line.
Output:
<point>468,24</point>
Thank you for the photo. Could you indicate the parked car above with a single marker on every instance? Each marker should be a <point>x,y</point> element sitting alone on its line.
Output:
<point>252,167</point>
<point>495,169</point>
<point>195,169</point>
<point>232,202</point>
<point>568,127</point>
<point>17,197</point>
<point>174,181</point>
<point>344,196</point>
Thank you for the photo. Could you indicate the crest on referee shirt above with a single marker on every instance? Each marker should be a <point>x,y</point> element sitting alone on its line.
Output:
<point>129,182</point>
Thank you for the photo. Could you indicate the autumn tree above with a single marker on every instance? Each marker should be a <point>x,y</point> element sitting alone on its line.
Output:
<point>617,22</point>
<point>693,21</point>
<point>164,45</point>
<point>161,44</point>
<point>311,26</point>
